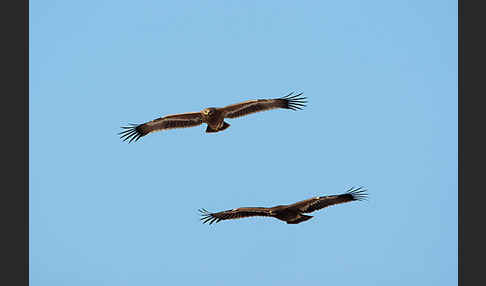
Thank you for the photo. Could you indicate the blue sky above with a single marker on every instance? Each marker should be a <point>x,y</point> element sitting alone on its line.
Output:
<point>381,79</point>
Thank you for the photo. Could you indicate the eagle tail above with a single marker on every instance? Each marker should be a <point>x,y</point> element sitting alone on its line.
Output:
<point>225,125</point>
<point>300,219</point>
<point>211,130</point>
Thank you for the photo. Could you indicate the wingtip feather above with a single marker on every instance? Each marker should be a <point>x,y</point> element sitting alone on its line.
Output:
<point>358,194</point>
<point>207,217</point>
<point>295,102</point>
<point>131,133</point>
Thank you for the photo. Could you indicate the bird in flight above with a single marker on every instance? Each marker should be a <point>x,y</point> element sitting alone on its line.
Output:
<point>291,214</point>
<point>212,116</point>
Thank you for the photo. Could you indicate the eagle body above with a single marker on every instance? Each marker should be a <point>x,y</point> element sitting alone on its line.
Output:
<point>291,214</point>
<point>287,214</point>
<point>212,116</point>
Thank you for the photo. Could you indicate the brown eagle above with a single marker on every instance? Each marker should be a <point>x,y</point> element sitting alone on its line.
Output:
<point>213,116</point>
<point>292,214</point>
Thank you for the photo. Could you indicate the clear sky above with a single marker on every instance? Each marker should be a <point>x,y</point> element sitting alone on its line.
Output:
<point>381,80</point>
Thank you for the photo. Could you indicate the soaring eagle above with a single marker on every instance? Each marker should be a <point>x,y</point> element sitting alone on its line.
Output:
<point>292,214</point>
<point>213,117</point>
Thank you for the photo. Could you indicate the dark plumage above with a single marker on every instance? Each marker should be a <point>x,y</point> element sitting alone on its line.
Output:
<point>292,214</point>
<point>213,117</point>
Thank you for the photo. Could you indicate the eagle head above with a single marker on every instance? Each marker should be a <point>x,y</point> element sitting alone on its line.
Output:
<point>208,111</point>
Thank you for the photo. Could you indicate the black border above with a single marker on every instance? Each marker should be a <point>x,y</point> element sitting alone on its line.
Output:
<point>15,144</point>
<point>470,118</point>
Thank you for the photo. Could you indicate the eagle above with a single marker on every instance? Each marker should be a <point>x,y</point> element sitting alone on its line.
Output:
<point>291,214</point>
<point>212,116</point>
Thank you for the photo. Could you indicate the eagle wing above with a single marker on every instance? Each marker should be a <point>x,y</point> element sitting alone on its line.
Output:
<point>182,120</point>
<point>317,203</point>
<point>295,102</point>
<point>232,214</point>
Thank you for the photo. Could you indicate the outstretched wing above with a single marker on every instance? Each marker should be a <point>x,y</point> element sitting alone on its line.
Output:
<point>295,102</point>
<point>318,203</point>
<point>232,214</point>
<point>183,120</point>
